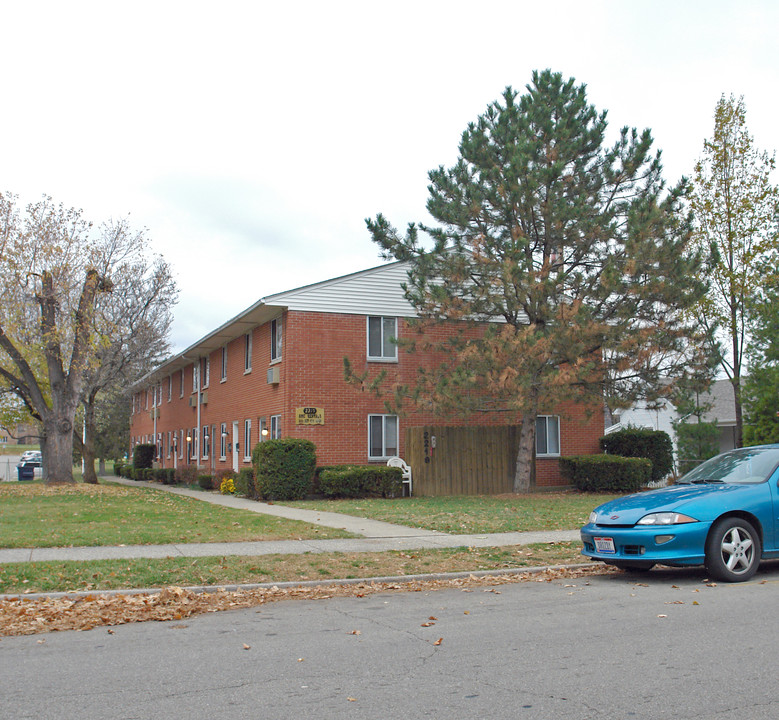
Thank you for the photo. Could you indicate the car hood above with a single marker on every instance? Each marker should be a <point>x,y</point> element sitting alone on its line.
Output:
<point>696,500</point>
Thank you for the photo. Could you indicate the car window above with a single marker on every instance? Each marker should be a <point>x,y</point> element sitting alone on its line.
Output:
<point>746,465</point>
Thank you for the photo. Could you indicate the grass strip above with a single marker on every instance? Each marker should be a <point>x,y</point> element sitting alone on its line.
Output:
<point>33,514</point>
<point>145,573</point>
<point>472,514</point>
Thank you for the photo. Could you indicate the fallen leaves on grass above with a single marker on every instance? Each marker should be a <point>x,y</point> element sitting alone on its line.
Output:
<point>28,616</point>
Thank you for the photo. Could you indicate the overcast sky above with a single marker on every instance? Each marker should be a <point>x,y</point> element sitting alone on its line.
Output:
<point>252,139</point>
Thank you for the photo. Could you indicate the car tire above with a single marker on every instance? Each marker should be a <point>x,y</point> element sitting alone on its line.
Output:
<point>733,550</point>
<point>633,567</point>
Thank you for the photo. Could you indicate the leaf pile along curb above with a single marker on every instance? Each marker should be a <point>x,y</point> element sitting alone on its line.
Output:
<point>28,616</point>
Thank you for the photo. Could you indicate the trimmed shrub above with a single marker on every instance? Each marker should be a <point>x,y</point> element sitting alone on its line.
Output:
<point>118,465</point>
<point>144,474</point>
<point>244,484</point>
<point>355,481</point>
<point>655,445</point>
<point>143,455</point>
<point>186,475</point>
<point>284,469</point>
<point>166,476</point>
<point>206,482</point>
<point>606,473</point>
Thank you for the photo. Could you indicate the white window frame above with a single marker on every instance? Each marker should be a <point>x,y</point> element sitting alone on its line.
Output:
<point>181,444</point>
<point>543,437</point>
<point>223,441</point>
<point>275,427</point>
<point>181,384</point>
<point>223,377</point>
<point>205,370</point>
<point>247,353</point>
<point>276,339</point>
<point>385,451</point>
<point>196,376</point>
<point>170,387</point>
<point>206,442</point>
<point>247,439</point>
<point>383,340</point>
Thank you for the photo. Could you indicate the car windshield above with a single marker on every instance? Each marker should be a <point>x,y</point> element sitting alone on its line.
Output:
<point>746,465</point>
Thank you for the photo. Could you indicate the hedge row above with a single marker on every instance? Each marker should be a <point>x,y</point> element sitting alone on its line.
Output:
<point>355,481</point>
<point>655,445</point>
<point>606,473</point>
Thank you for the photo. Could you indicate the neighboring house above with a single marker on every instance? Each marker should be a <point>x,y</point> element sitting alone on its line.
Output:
<point>277,370</point>
<point>661,417</point>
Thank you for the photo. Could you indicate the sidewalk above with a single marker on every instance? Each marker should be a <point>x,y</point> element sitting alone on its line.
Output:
<point>377,536</point>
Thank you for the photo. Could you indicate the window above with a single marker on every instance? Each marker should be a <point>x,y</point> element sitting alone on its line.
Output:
<point>223,441</point>
<point>547,435</point>
<point>382,436</point>
<point>206,439</point>
<point>170,387</point>
<point>275,339</point>
<point>181,384</point>
<point>247,439</point>
<point>247,353</point>
<point>181,444</point>
<point>169,444</point>
<point>381,333</point>
<point>263,429</point>
<point>224,364</point>
<point>205,370</point>
<point>195,377</point>
<point>275,427</point>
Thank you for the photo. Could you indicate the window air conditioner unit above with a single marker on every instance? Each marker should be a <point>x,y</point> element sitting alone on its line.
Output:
<point>273,376</point>
<point>203,399</point>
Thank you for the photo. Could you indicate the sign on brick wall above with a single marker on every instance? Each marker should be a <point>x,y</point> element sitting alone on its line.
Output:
<point>310,416</point>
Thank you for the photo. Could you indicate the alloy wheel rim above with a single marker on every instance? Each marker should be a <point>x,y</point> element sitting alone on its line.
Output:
<point>737,550</point>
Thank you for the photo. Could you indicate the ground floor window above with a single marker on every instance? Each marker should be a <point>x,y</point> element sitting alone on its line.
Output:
<point>275,427</point>
<point>206,442</point>
<point>547,435</point>
<point>382,436</point>
<point>247,439</point>
<point>223,441</point>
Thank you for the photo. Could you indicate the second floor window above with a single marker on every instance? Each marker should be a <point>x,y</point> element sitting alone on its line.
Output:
<point>382,332</point>
<point>247,352</point>
<point>275,339</point>
<point>224,364</point>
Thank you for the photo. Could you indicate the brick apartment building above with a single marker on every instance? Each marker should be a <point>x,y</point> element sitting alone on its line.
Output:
<point>277,370</point>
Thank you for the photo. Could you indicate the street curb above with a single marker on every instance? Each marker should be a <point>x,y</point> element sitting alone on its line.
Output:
<point>398,579</point>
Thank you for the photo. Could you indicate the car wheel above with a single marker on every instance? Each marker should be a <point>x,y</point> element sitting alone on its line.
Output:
<point>633,567</point>
<point>733,550</point>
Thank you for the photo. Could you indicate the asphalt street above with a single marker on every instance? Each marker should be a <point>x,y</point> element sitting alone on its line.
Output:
<point>667,646</point>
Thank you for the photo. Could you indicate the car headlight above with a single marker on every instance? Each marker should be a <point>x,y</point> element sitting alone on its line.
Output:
<point>593,519</point>
<point>665,518</point>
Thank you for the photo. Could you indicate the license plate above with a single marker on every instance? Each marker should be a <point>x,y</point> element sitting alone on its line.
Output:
<point>604,544</point>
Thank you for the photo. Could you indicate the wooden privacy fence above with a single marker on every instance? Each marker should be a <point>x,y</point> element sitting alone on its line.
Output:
<point>462,460</point>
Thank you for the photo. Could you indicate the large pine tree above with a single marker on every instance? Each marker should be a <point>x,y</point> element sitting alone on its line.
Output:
<point>574,253</point>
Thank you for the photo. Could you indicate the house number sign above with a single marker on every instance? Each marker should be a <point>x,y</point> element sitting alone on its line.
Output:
<point>310,416</point>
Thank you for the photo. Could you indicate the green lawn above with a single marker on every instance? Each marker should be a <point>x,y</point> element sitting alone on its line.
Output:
<point>35,515</point>
<point>150,573</point>
<point>475,514</point>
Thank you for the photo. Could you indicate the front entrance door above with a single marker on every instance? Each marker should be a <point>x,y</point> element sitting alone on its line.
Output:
<point>235,446</point>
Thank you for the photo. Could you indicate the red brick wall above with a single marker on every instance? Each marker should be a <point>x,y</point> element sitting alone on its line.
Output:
<point>312,375</point>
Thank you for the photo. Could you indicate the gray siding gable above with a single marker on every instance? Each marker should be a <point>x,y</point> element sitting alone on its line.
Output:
<point>376,291</point>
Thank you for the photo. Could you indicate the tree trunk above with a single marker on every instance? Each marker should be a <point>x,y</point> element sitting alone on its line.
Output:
<point>524,475</point>
<point>57,450</point>
<point>101,467</point>
<point>739,439</point>
<point>88,446</point>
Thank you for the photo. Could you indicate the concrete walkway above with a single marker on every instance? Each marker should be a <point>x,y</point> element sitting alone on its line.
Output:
<point>376,536</point>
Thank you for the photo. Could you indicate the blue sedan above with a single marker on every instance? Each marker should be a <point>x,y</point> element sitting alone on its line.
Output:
<point>724,514</point>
